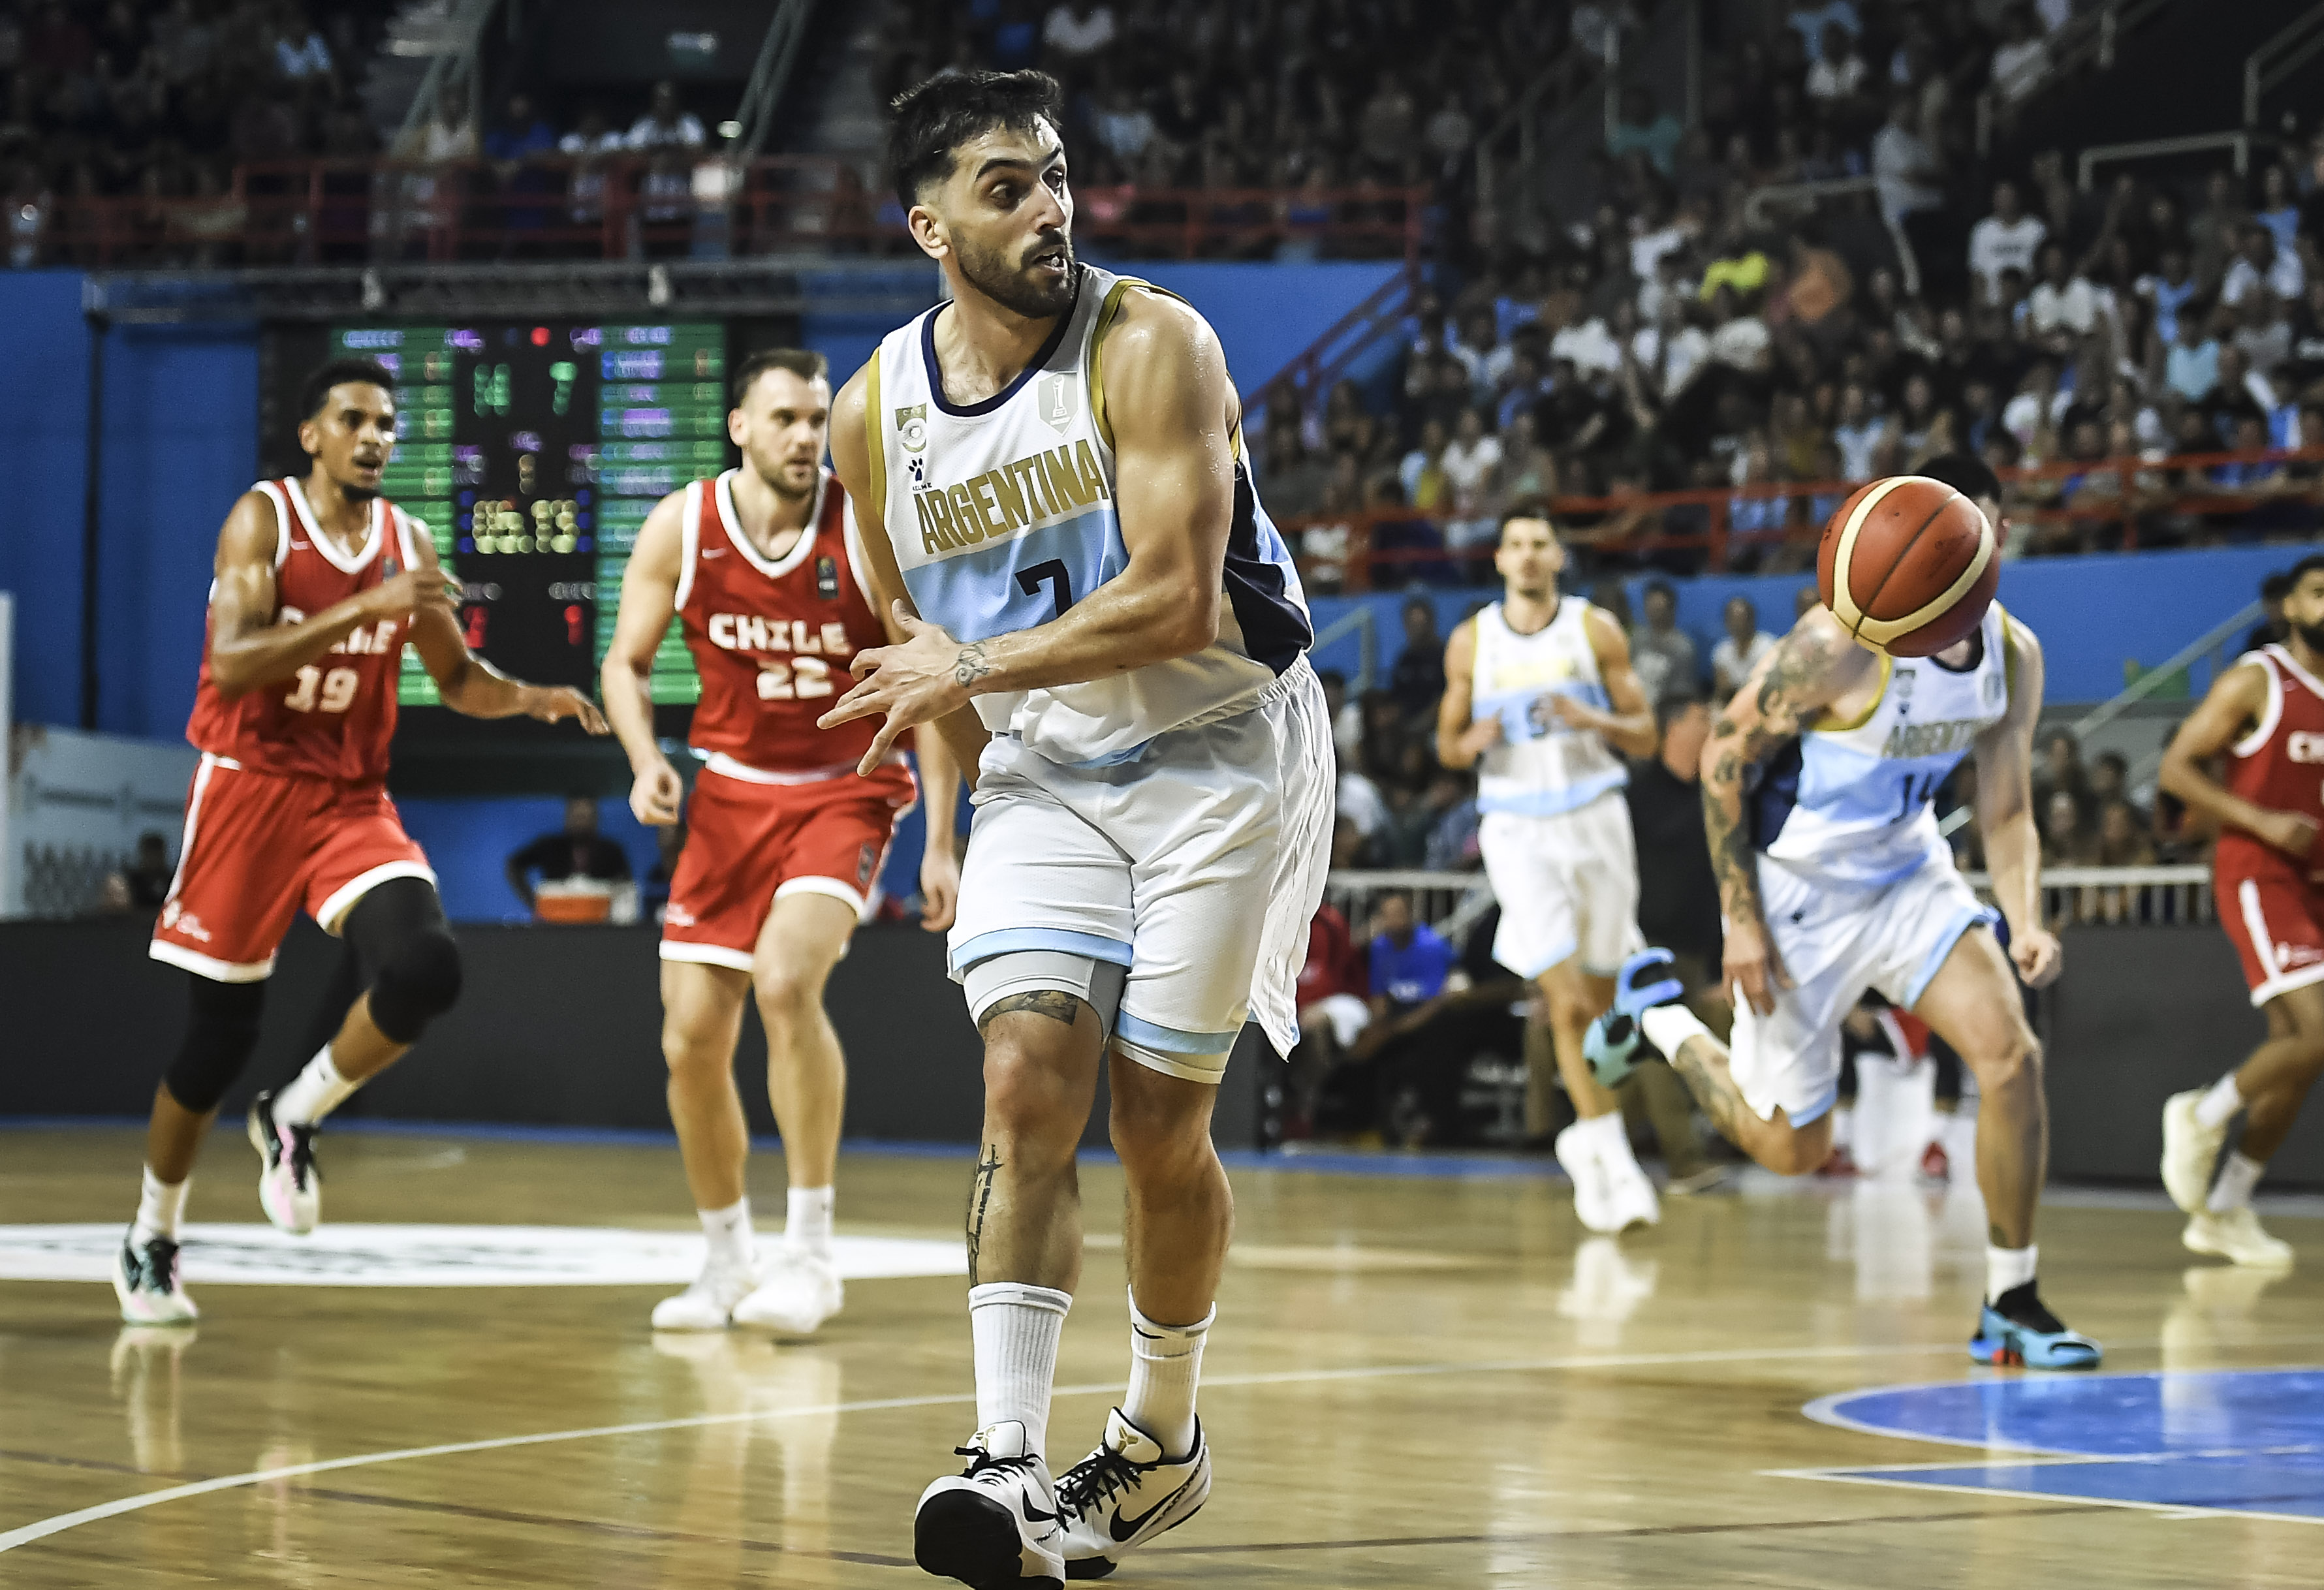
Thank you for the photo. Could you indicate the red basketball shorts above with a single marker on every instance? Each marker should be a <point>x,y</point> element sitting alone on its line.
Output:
<point>260,847</point>
<point>2273,914</point>
<point>749,844</point>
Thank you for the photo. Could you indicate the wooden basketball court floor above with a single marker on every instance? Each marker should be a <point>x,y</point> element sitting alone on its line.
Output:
<point>1416,1380</point>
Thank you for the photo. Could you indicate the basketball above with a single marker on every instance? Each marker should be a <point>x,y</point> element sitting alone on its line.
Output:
<point>1909,565</point>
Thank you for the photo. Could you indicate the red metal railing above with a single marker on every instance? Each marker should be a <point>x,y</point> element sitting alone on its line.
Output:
<point>1345,556</point>
<point>626,206</point>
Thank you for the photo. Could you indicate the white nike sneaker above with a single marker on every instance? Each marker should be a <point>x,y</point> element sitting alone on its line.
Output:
<point>145,1280</point>
<point>2235,1234</point>
<point>290,1186</point>
<point>1593,1192</point>
<point>1632,1200</point>
<point>709,1303</point>
<point>1126,1493</point>
<point>994,1524</point>
<point>796,1291</point>
<point>2191,1150</point>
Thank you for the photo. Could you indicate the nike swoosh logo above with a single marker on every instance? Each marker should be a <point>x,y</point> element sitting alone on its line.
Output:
<point>1033,1517</point>
<point>1124,1526</point>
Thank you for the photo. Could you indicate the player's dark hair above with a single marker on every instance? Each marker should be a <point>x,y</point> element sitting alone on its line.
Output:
<point>2276,586</point>
<point>929,122</point>
<point>1965,473</point>
<point>803,362</point>
<point>332,372</point>
<point>2313,564</point>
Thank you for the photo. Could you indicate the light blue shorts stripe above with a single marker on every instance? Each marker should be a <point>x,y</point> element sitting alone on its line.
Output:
<point>1963,919</point>
<point>985,946</point>
<point>1153,1036</point>
<point>1816,1111</point>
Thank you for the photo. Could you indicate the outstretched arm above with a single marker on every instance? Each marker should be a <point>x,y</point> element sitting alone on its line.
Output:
<point>1629,728</point>
<point>2235,703</point>
<point>649,602</point>
<point>1165,385</point>
<point>940,807</point>
<point>1808,670</point>
<point>473,687</point>
<point>247,648</point>
<point>2005,814</point>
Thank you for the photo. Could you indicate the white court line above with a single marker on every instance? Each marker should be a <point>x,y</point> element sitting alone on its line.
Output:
<point>2178,1510</point>
<point>44,1528</point>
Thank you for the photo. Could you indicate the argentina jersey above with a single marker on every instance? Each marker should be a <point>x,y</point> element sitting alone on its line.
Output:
<point>1849,801</point>
<point>1002,515</point>
<point>1540,766</point>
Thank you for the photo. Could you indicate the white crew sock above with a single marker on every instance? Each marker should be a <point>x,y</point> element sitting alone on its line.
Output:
<point>1608,1138</point>
<point>1843,1127</point>
<point>2237,1177</point>
<point>1165,1362</point>
<point>2219,1103</point>
<point>160,1206</point>
<point>807,1220</point>
<point>1667,1026</point>
<point>2006,1268</point>
<point>729,1231</point>
<point>1015,1329</point>
<point>315,1092</point>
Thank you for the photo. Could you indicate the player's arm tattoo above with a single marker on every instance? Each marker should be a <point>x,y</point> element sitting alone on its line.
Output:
<point>1743,737</point>
<point>980,1197</point>
<point>1054,1002</point>
<point>971,664</point>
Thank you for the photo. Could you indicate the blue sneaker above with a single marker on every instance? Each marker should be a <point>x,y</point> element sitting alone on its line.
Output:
<point>1614,1046</point>
<point>2017,1332</point>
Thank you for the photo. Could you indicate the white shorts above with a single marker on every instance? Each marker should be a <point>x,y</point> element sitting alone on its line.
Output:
<point>1198,867</point>
<point>1568,885</point>
<point>1836,942</point>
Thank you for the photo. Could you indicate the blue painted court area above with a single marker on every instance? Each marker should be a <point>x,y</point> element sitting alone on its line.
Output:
<point>2244,1441</point>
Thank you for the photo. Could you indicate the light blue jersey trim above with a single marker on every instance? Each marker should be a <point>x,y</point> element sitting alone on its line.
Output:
<point>1963,918</point>
<point>985,946</point>
<point>1816,1111</point>
<point>1171,1039</point>
<point>983,594</point>
<point>1552,803</point>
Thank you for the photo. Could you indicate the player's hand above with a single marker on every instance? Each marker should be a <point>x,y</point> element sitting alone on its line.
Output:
<point>401,596</point>
<point>923,679</point>
<point>2039,956</point>
<point>1752,966</point>
<point>1481,736</point>
<point>553,704</point>
<point>1570,712</point>
<point>939,888</point>
<point>2292,833</point>
<point>655,794</point>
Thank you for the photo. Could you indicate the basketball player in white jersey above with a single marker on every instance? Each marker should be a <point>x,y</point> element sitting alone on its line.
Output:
<point>1049,476</point>
<point>1538,698</point>
<point>1817,782</point>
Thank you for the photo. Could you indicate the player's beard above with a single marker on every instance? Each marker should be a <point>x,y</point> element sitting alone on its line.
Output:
<point>990,271</point>
<point>2313,634</point>
<point>354,493</point>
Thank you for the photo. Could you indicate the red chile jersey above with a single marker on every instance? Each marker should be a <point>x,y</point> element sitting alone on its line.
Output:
<point>772,641</point>
<point>2280,764</point>
<point>334,717</point>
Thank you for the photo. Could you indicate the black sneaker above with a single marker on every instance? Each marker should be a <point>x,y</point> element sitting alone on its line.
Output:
<point>145,1280</point>
<point>289,1187</point>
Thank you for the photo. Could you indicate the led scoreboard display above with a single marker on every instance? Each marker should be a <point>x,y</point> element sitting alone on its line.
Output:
<point>534,452</point>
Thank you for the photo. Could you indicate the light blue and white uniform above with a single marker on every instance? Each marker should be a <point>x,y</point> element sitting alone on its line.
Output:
<point>1555,829</point>
<point>1175,820</point>
<point>1860,889</point>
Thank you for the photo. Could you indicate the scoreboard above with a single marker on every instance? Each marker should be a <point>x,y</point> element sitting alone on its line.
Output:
<point>534,451</point>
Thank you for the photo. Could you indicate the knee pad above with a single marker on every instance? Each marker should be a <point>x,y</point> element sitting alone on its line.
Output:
<point>1097,984</point>
<point>221,1030</point>
<point>419,981</point>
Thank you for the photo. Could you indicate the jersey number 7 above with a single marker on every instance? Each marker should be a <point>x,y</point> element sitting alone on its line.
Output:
<point>1054,575</point>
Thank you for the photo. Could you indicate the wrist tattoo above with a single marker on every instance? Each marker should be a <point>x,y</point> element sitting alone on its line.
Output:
<point>971,664</point>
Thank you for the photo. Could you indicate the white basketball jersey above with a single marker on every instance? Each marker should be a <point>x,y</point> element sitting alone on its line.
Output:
<point>1542,766</point>
<point>1002,517</point>
<point>1849,802</point>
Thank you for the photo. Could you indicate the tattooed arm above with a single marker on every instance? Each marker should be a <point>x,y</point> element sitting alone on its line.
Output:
<point>1813,666</point>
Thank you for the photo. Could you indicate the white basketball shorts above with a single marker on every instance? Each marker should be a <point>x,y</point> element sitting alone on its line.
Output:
<point>1568,885</point>
<point>1198,866</point>
<point>1836,942</point>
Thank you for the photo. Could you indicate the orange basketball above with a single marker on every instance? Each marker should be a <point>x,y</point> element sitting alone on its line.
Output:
<point>1909,565</point>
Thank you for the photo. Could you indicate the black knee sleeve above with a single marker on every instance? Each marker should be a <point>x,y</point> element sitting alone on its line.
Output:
<point>221,1030</point>
<point>419,982</point>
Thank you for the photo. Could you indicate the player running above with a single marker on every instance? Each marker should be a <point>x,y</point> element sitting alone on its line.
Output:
<point>1049,467</point>
<point>1538,697</point>
<point>320,582</point>
<point>2265,715</point>
<point>1816,788</point>
<point>763,567</point>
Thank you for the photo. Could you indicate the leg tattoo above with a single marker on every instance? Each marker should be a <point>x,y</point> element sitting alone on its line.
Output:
<point>1054,1002</point>
<point>980,1196</point>
<point>1712,1086</point>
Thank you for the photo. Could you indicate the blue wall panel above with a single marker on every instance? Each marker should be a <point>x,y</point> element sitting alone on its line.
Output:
<point>1267,316</point>
<point>43,421</point>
